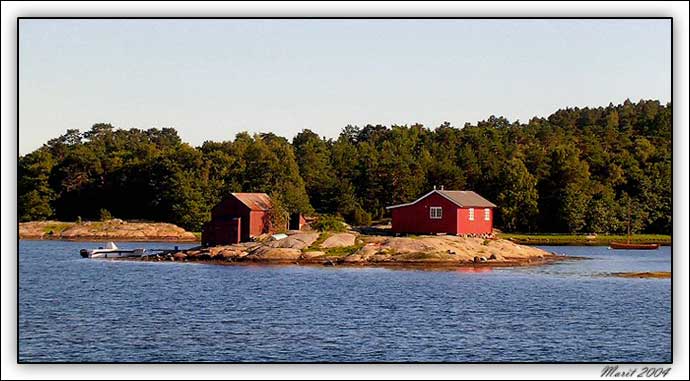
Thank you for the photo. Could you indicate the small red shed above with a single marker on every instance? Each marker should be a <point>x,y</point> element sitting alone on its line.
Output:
<point>444,211</point>
<point>238,218</point>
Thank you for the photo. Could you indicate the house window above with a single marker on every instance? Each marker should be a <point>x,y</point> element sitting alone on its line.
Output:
<point>435,212</point>
<point>487,214</point>
<point>471,214</point>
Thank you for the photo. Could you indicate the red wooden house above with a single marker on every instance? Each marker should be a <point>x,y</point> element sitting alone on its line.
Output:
<point>238,218</point>
<point>444,211</point>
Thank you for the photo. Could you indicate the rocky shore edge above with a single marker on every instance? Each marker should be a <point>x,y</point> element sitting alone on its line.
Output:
<point>352,249</point>
<point>110,230</point>
<point>644,275</point>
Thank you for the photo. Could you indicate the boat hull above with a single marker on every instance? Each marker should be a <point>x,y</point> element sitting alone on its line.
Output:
<point>112,253</point>
<point>633,246</point>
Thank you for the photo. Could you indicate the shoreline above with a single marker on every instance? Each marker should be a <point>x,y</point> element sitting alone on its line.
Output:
<point>582,240</point>
<point>109,230</point>
<point>355,250</point>
<point>105,239</point>
<point>392,265</point>
<point>177,240</point>
<point>643,275</point>
<point>196,240</point>
<point>119,230</point>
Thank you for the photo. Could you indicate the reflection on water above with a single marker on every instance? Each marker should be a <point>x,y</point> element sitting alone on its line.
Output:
<point>74,309</point>
<point>473,270</point>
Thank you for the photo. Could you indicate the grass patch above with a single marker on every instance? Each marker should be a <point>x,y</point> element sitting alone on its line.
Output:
<point>582,240</point>
<point>342,251</point>
<point>56,228</point>
<point>197,235</point>
<point>419,256</point>
<point>98,225</point>
<point>315,246</point>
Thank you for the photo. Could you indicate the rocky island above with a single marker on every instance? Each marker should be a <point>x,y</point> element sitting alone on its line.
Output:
<point>110,230</point>
<point>350,248</point>
<point>354,249</point>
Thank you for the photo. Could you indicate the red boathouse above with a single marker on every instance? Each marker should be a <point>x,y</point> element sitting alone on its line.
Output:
<point>237,218</point>
<point>444,211</point>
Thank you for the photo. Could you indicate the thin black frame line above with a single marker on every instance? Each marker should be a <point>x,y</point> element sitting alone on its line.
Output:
<point>338,18</point>
<point>342,18</point>
<point>672,124</point>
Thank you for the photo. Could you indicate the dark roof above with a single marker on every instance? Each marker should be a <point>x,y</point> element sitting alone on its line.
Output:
<point>467,199</point>
<point>463,199</point>
<point>254,201</point>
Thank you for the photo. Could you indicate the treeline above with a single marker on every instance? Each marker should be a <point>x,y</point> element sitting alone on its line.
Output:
<point>575,171</point>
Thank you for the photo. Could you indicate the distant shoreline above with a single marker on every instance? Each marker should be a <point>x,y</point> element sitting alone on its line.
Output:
<point>541,239</point>
<point>644,275</point>
<point>119,230</point>
<point>115,239</point>
<point>111,230</point>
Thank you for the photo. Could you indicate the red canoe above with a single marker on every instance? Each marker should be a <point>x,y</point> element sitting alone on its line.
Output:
<point>634,246</point>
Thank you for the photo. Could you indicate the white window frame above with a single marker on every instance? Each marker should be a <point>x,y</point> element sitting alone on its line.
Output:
<point>471,214</point>
<point>487,214</point>
<point>435,212</point>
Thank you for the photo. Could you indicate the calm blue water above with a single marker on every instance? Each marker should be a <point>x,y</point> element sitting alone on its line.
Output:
<point>74,309</point>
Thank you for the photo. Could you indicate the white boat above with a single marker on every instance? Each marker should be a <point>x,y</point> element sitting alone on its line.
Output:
<point>112,251</point>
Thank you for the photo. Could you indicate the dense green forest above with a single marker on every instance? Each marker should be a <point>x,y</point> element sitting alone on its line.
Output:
<point>574,171</point>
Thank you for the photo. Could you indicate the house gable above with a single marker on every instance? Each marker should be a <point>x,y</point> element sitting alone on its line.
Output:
<point>250,208</point>
<point>439,211</point>
<point>418,216</point>
<point>463,199</point>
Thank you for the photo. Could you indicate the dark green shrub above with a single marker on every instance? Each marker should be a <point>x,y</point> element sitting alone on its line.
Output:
<point>358,217</point>
<point>329,223</point>
<point>105,215</point>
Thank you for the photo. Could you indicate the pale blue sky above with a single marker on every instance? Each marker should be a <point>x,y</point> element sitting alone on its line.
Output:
<point>210,79</point>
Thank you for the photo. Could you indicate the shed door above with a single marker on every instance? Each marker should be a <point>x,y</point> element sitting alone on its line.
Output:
<point>235,230</point>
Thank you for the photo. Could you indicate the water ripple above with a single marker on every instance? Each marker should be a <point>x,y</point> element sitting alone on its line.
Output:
<point>71,309</point>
